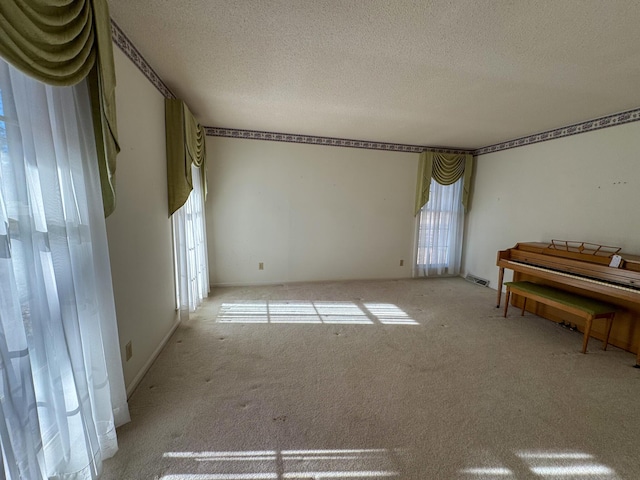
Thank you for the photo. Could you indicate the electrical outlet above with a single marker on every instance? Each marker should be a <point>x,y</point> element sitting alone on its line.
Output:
<point>128,351</point>
<point>401,263</point>
<point>261,266</point>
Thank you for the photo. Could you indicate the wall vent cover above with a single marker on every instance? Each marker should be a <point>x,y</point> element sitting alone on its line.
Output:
<point>477,280</point>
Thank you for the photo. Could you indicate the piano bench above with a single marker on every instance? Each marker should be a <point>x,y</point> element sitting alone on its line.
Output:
<point>587,308</point>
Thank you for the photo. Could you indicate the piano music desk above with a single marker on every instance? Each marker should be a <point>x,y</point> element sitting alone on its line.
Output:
<point>587,308</point>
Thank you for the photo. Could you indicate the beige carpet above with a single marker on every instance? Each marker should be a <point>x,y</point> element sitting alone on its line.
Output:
<point>408,379</point>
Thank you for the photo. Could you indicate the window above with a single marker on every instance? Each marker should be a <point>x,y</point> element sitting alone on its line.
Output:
<point>440,228</point>
<point>190,249</point>
<point>61,385</point>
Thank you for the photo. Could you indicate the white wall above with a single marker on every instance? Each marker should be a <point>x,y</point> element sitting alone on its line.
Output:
<point>139,231</point>
<point>307,212</point>
<point>584,187</point>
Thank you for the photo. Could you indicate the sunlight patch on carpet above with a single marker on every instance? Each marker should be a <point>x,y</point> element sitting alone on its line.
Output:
<point>317,312</point>
<point>557,465</point>
<point>285,464</point>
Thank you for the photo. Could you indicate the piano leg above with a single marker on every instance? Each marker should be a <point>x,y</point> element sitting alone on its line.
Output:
<point>609,325</point>
<point>587,332</point>
<point>500,277</point>
<point>506,303</point>
<point>637,365</point>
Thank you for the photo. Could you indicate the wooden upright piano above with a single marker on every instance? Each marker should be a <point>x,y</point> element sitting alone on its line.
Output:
<point>591,270</point>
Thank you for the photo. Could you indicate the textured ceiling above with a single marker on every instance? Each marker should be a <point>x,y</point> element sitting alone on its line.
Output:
<point>463,74</point>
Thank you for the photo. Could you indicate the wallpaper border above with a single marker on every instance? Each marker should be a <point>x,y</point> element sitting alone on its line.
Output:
<point>621,118</point>
<point>328,141</point>
<point>128,48</point>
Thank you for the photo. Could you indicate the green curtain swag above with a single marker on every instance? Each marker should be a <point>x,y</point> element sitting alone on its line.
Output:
<point>185,146</point>
<point>62,42</point>
<point>446,169</point>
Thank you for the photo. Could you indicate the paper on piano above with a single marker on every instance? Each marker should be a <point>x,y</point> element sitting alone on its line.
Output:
<point>616,261</point>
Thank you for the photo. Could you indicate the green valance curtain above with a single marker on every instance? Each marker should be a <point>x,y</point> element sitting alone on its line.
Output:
<point>446,169</point>
<point>61,42</point>
<point>185,146</point>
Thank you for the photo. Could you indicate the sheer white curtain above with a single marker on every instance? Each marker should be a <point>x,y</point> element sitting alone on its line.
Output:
<point>61,385</point>
<point>190,244</point>
<point>440,229</point>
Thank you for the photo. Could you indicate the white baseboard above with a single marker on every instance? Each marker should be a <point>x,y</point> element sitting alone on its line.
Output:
<point>299,282</point>
<point>245,284</point>
<point>145,368</point>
